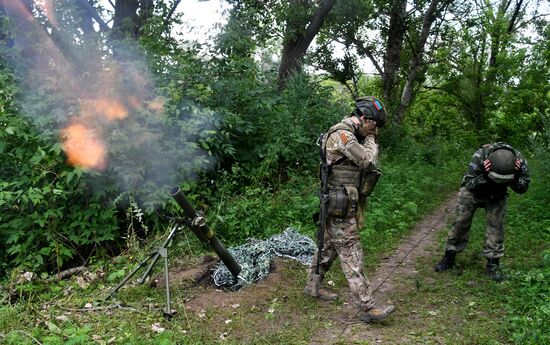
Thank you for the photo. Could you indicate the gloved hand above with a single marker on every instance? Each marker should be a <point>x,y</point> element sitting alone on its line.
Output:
<point>369,127</point>
<point>487,165</point>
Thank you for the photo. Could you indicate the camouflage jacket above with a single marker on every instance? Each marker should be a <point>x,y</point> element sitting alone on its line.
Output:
<point>476,181</point>
<point>341,146</point>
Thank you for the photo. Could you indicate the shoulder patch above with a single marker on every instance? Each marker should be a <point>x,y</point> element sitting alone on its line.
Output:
<point>344,138</point>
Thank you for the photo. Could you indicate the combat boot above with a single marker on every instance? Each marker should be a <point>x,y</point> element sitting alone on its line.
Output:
<point>493,270</point>
<point>313,288</point>
<point>447,262</point>
<point>376,313</point>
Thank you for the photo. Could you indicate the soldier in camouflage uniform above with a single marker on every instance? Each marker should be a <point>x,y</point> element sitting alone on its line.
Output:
<point>493,169</point>
<point>350,150</point>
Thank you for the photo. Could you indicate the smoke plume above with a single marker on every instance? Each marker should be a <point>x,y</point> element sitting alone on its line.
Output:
<point>100,100</point>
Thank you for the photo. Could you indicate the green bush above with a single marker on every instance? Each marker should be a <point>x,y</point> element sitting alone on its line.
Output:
<point>48,212</point>
<point>528,235</point>
<point>52,214</point>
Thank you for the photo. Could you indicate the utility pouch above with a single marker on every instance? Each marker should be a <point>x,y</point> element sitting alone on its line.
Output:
<point>337,202</point>
<point>368,182</point>
<point>342,202</point>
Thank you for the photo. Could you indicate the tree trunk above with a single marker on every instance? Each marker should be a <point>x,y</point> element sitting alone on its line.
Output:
<point>146,9</point>
<point>298,40</point>
<point>392,58</point>
<point>125,21</point>
<point>416,61</point>
<point>86,21</point>
<point>88,12</point>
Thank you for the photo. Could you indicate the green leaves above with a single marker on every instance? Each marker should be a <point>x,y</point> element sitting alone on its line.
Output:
<point>44,212</point>
<point>116,275</point>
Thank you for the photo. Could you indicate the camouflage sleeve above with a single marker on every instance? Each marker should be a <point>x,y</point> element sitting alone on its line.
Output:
<point>521,183</point>
<point>370,145</point>
<point>363,155</point>
<point>475,176</point>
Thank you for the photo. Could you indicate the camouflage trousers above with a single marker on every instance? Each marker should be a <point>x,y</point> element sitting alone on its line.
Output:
<point>342,241</point>
<point>459,233</point>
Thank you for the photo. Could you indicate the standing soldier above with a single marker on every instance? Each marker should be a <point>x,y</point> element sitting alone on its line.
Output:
<point>348,175</point>
<point>493,169</point>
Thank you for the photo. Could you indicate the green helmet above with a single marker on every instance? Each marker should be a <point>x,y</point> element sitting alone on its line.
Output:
<point>503,165</point>
<point>371,108</point>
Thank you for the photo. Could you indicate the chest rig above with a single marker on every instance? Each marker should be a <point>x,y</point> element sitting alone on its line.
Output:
<point>347,184</point>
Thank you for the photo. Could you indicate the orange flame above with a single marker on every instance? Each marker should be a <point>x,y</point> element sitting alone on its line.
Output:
<point>109,109</point>
<point>135,102</point>
<point>83,147</point>
<point>82,144</point>
<point>156,105</point>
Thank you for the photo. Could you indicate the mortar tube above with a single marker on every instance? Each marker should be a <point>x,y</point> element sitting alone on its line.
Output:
<point>189,211</point>
<point>205,234</point>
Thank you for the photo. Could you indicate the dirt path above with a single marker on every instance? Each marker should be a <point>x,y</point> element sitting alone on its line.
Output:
<point>402,263</point>
<point>420,243</point>
<point>396,272</point>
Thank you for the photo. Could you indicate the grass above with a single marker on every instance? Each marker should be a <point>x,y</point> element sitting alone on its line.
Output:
<point>464,307</point>
<point>65,318</point>
<point>457,307</point>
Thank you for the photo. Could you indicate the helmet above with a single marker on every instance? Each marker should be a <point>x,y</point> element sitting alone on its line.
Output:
<point>503,165</point>
<point>371,108</point>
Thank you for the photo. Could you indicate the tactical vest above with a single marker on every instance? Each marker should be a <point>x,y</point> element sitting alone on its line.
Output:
<point>347,183</point>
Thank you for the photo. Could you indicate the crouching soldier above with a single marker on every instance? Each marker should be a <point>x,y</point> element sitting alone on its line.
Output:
<point>493,169</point>
<point>348,174</point>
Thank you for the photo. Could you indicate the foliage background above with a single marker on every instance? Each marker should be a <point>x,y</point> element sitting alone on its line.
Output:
<point>243,148</point>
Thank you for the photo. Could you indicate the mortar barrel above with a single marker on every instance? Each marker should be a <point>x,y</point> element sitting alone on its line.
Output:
<point>204,233</point>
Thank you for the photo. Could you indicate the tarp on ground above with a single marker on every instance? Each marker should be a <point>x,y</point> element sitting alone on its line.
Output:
<point>255,257</point>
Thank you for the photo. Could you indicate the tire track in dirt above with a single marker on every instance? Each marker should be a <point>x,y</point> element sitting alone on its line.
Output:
<point>402,263</point>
